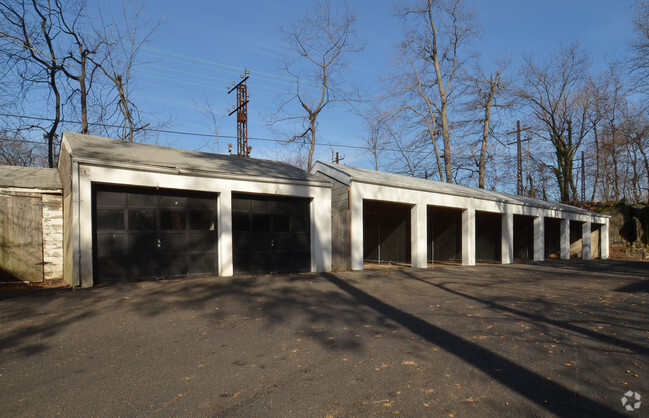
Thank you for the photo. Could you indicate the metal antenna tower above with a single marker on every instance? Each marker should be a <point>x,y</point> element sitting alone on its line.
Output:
<point>241,110</point>
<point>519,156</point>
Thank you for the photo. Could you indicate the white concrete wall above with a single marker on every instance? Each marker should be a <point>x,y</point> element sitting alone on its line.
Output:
<point>507,236</point>
<point>565,239</point>
<point>585,240</point>
<point>420,200</point>
<point>84,175</point>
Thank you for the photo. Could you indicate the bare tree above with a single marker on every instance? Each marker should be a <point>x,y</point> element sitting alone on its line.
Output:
<point>376,139</point>
<point>318,44</point>
<point>415,115</point>
<point>14,150</point>
<point>78,65</point>
<point>487,92</point>
<point>639,62</point>
<point>121,43</point>
<point>554,93</point>
<point>205,108</point>
<point>434,43</point>
<point>51,54</point>
<point>30,32</point>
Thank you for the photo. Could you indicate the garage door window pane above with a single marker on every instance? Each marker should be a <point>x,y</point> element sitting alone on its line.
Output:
<point>240,221</point>
<point>281,222</point>
<point>141,200</point>
<point>141,220</point>
<point>172,202</point>
<point>172,220</point>
<point>110,220</point>
<point>110,199</point>
<point>201,220</point>
<point>300,224</point>
<point>261,222</point>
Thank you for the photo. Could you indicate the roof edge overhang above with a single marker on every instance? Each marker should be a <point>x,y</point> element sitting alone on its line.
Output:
<point>576,211</point>
<point>161,169</point>
<point>347,178</point>
<point>332,172</point>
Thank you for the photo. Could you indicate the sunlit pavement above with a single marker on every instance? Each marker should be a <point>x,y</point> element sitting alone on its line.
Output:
<point>553,338</point>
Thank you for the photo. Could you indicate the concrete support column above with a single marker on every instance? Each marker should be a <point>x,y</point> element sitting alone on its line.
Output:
<point>468,237</point>
<point>565,239</point>
<point>603,241</point>
<point>356,203</point>
<point>539,238</point>
<point>85,228</point>
<point>507,238</point>
<point>224,209</point>
<point>418,235</point>
<point>321,255</point>
<point>585,239</point>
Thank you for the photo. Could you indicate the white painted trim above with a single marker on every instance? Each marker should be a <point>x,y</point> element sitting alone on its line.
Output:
<point>565,239</point>
<point>507,236</point>
<point>585,239</point>
<point>468,237</point>
<point>26,190</point>
<point>539,238</point>
<point>224,245</point>
<point>84,176</point>
<point>367,191</point>
<point>75,278</point>
<point>356,205</point>
<point>418,235</point>
<point>603,241</point>
<point>159,169</point>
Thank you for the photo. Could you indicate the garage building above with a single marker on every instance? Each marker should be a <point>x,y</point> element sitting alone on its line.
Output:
<point>383,217</point>
<point>135,211</point>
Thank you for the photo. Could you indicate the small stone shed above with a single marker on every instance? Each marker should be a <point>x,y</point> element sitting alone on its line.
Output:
<point>31,224</point>
<point>383,217</point>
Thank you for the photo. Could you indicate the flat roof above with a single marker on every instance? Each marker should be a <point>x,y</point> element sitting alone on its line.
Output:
<point>88,148</point>
<point>400,181</point>
<point>29,177</point>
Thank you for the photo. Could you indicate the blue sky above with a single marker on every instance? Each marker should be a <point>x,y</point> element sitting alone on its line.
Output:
<point>203,46</point>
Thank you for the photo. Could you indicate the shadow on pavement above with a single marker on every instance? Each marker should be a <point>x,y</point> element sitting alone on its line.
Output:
<point>547,394</point>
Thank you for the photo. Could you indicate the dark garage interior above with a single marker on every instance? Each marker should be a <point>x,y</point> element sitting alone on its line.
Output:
<point>595,240</point>
<point>576,242</point>
<point>386,232</point>
<point>444,234</point>
<point>523,237</point>
<point>552,238</point>
<point>488,237</point>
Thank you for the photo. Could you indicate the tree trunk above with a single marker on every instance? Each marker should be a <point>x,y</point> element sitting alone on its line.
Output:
<point>596,177</point>
<point>312,147</point>
<point>485,136</point>
<point>447,145</point>
<point>84,97</point>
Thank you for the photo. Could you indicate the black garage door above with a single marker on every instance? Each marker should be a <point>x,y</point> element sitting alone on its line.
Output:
<point>142,234</point>
<point>270,234</point>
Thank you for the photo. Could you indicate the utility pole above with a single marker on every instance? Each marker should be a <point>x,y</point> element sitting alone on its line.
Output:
<point>241,109</point>
<point>337,159</point>
<point>519,155</point>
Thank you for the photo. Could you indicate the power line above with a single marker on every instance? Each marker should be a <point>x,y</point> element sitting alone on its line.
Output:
<point>211,63</point>
<point>205,135</point>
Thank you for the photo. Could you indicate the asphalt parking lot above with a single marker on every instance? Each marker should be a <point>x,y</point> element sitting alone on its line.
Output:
<point>553,338</point>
